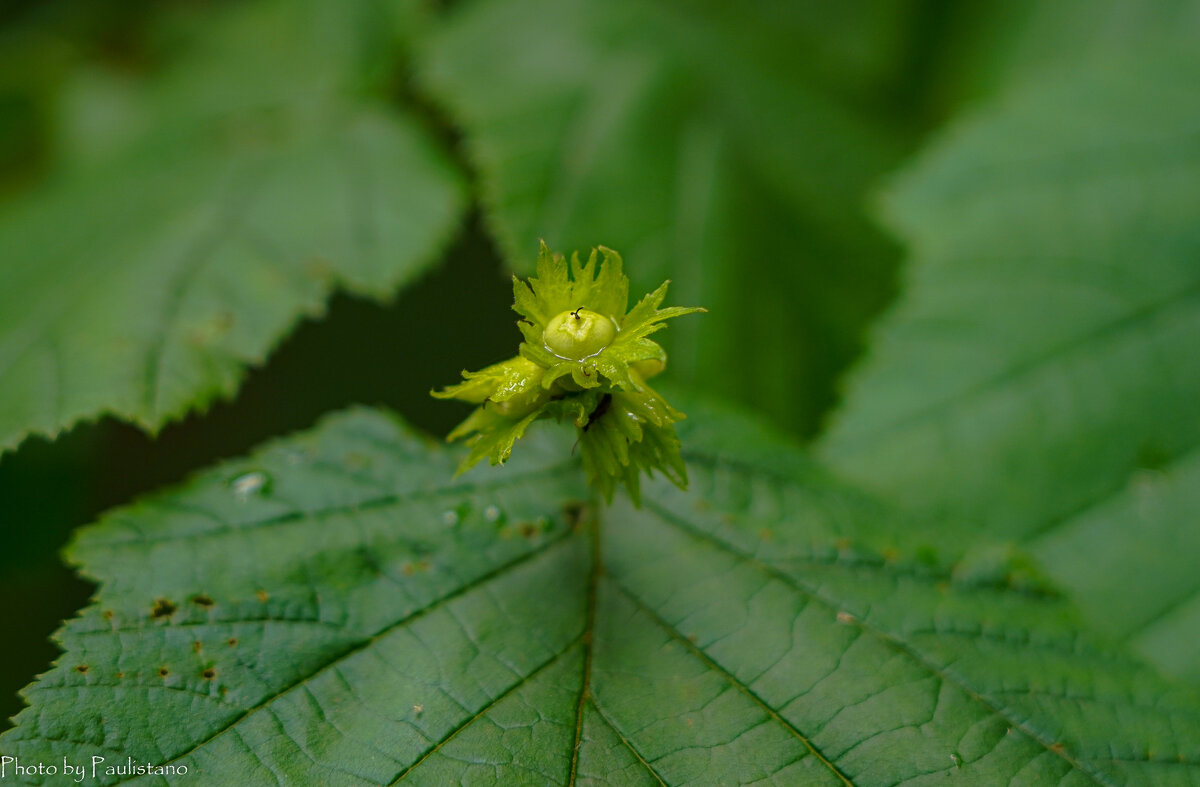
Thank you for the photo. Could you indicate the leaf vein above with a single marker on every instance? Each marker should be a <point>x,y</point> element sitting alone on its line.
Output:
<point>632,749</point>
<point>384,501</point>
<point>521,681</point>
<point>733,681</point>
<point>893,641</point>
<point>332,664</point>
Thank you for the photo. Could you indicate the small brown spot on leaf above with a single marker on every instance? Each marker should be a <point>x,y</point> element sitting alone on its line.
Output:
<point>263,596</point>
<point>407,569</point>
<point>197,646</point>
<point>574,513</point>
<point>162,608</point>
<point>528,529</point>
<point>120,675</point>
<point>81,668</point>
<point>209,674</point>
<point>1058,748</point>
<point>202,600</point>
<point>418,708</point>
<point>845,617</point>
<point>163,672</point>
<point>108,614</point>
<point>231,642</point>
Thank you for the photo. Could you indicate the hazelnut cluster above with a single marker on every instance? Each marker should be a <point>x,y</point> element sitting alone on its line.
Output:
<point>585,358</point>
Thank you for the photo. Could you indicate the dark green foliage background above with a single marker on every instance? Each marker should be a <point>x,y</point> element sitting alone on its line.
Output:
<point>795,272</point>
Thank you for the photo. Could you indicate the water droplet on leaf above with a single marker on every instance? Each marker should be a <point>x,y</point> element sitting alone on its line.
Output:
<point>248,484</point>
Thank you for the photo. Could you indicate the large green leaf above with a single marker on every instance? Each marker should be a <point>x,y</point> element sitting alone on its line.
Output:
<point>691,140</point>
<point>337,609</point>
<point>1038,380</point>
<point>258,171</point>
<point>991,45</point>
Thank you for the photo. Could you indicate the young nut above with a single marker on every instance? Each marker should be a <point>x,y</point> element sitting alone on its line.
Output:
<point>578,334</point>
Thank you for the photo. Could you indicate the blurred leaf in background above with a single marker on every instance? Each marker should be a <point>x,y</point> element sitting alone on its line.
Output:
<point>232,191</point>
<point>985,47</point>
<point>25,106</point>
<point>687,137</point>
<point>1038,380</point>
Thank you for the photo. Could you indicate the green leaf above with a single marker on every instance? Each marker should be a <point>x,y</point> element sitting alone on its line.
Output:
<point>692,140</point>
<point>1131,561</point>
<point>1038,380</point>
<point>993,45</point>
<point>336,609</point>
<point>265,169</point>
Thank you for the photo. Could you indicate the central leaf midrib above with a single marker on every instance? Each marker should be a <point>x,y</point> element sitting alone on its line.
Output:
<point>596,575</point>
<point>596,570</point>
